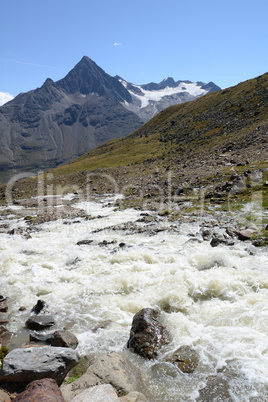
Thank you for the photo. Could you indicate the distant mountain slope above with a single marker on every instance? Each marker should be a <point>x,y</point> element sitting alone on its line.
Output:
<point>219,119</point>
<point>186,148</point>
<point>61,120</point>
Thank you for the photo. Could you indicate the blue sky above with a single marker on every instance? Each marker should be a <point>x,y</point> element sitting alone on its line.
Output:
<point>142,41</point>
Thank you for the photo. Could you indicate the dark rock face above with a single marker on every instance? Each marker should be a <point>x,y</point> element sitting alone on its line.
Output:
<point>45,390</point>
<point>147,334</point>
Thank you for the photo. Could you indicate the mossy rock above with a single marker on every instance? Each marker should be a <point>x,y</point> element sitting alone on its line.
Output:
<point>166,212</point>
<point>29,218</point>
<point>3,352</point>
<point>78,370</point>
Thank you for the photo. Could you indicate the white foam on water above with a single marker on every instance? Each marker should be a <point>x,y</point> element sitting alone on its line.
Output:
<point>213,299</point>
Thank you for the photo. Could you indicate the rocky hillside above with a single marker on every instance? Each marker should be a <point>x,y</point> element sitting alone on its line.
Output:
<point>221,129</point>
<point>61,120</point>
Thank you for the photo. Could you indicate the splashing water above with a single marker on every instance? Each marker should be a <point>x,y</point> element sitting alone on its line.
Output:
<point>212,299</point>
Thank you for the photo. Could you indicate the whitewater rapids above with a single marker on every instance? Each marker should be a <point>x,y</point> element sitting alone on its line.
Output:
<point>212,299</point>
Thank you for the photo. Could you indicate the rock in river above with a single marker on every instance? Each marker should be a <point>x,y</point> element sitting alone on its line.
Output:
<point>185,358</point>
<point>147,334</point>
<point>64,338</point>
<point>40,322</point>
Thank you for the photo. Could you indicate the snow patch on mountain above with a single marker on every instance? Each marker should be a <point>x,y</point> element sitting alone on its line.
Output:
<point>156,96</point>
<point>145,97</point>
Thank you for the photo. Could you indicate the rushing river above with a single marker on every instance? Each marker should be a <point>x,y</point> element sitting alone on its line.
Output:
<point>212,299</point>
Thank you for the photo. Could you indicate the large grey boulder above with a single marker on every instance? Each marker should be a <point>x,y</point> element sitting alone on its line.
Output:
<point>34,363</point>
<point>112,368</point>
<point>147,334</point>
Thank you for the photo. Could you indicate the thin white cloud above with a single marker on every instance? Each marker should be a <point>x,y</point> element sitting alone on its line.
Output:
<point>5,97</point>
<point>26,62</point>
<point>117,44</point>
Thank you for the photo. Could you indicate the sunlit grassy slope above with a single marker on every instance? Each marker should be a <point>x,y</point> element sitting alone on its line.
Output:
<point>211,121</point>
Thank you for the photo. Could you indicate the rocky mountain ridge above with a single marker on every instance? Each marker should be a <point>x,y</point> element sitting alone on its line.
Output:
<point>61,120</point>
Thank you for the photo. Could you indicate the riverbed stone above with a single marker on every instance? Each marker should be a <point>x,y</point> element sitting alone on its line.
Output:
<point>245,234</point>
<point>133,397</point>
<point>21,231</point>
<point>252,227</point>
<point>84,242</point>
<point>34,363</point>
<point>164,368</point>
<point>147,334</point>
<point>101,325</point>
<point>45,390</point>
<point>64,338</point>
<point>3,306</point>
<point>99,393</point>
<point>40,322</point>
<point>4,397</point>
<point>231,231</point>
<point>35,337</point>
<point>5,336</point>
<point>113,368</point>
<point>40,306</point>
<point>216,389</point>
<point>185,358</point>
